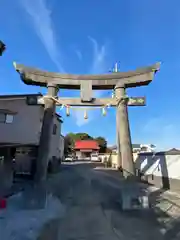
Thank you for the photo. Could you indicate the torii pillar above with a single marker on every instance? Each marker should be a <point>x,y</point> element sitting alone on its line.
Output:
<point>125,155</point>
<point>46,134</point>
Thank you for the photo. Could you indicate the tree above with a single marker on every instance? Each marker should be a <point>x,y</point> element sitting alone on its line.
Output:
<point>83,136</point>
<point>68,144</point>
<point>78,136</point>
<point>71,138</point>
<point>102,144</point>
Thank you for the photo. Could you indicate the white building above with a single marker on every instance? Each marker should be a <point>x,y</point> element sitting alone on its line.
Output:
<point>147,148</point>
<point>20,127</point>
<point>137,148</point>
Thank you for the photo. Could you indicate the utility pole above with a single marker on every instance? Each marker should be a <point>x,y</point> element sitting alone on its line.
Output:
<point>116,67</point>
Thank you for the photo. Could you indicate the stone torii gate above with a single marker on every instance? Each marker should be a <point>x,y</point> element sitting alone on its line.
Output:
<point>118,81</point>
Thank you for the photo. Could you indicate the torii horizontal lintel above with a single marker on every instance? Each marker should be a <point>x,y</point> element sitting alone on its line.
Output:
<point>96,102</point>
<point>139,77</point>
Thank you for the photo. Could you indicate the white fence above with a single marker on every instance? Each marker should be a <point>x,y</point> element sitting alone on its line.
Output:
<point>161,169</point>
<point>159,164</point>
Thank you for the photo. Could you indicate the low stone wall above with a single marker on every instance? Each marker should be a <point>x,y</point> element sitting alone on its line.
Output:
<point>114,160</point>
<point>163,182</point>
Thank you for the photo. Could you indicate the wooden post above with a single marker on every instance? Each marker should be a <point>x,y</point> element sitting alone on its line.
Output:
<point>46,133</point>
<point>124,133</point>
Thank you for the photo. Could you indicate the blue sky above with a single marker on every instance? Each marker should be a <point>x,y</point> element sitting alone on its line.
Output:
<point>89,37</point>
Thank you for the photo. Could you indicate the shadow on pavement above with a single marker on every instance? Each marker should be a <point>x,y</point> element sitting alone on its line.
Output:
<point>161,220</point>
<point>104,189</point>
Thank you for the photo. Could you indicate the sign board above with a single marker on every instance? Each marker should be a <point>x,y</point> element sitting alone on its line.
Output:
<point>137,101</point>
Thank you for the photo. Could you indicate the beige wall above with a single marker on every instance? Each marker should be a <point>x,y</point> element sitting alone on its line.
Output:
<point>25,127</point>
<point>114,159</point>
<point>78,154</point>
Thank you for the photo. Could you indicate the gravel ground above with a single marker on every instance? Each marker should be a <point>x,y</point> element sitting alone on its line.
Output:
<point>94,211</point>
<point>21,223</point>
<point>92,199</point>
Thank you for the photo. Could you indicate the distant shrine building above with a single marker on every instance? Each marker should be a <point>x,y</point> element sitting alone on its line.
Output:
<point>85,148</point>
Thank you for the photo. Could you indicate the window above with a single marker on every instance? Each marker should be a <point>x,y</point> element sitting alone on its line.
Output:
<point>6,118</point>
<point>9,118</point>
<point>144,149</point>
<point>54,129</point>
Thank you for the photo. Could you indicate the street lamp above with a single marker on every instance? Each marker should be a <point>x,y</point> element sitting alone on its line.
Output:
<point>2,47</point>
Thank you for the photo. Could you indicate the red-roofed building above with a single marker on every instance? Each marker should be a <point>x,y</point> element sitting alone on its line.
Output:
<point>84,148</point>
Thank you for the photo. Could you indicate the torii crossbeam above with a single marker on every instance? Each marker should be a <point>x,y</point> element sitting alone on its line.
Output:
<point>139,77</point>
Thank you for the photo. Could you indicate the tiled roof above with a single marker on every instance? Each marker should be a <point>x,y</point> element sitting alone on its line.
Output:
<point>170,152</point>
<point>173,150</point>
<point>86,144</point>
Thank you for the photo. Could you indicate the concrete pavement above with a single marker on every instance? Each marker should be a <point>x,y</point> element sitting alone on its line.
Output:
<point>93,209</point>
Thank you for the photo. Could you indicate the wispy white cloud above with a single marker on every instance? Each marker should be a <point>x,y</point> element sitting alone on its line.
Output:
<point>163,132</point>
<point>40,16</point>
<point>41,19</point>
<point>79,54</point>
<point>99,65</point>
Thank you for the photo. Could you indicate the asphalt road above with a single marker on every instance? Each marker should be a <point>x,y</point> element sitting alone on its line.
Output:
<point>93,209</point>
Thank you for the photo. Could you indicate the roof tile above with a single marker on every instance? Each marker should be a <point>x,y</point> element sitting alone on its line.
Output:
<point>86,144</point>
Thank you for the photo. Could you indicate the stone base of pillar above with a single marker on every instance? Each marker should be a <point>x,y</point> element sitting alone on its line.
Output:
<point>133,196</point>
<point>130,202</point>
<point>129,177</point>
